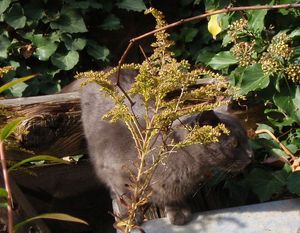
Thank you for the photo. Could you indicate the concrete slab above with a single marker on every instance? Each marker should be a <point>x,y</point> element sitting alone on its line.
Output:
<point>271,217</point>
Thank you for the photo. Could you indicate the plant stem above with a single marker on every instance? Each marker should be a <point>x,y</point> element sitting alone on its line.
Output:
<point>7,187</point>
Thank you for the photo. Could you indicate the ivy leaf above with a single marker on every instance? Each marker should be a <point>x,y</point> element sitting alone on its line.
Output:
<point>45,45</point>
<point>256,20</point>
<point>293,183</point>
<point>264,184</point>
<point>34,10</point>
<point>213,26</point>
<point>4,45</point>
<point>252,79</point>
<point>65,61</point>
<point>73,43</point>
<point>4,4</point>
<point>132,5</point>
<point>288,101</point>
<point>111,22</point>
<point>189,34</point>
<point>97,51</point>
<point>69,21</point>
<point>15,16</point>
<point>222,60</point>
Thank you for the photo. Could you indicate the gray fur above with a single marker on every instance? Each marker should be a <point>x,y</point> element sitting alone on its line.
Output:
<point>111,147</point>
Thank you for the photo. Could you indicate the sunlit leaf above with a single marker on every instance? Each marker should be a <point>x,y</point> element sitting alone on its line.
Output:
<point>38,158</point>
<point>65,61</point>
<point>222,60</point>
<point>54,216</point>
<point>9,128</point>
<point>213,26</point>
<point>4,4</point>
<point>253,79</point>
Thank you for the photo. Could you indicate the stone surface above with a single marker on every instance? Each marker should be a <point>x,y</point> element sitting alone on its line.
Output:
<point>271,217</point>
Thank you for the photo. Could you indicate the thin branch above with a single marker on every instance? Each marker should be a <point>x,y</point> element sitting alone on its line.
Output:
<point>200,17</point>
<point>284,148</point>
<point>8,189</point>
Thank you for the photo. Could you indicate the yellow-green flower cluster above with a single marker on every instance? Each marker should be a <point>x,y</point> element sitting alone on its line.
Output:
<point>244,52</point>
<point>236,28</point>
<point>269,64</point>
<point>204,134</point>
<point>4,70</point>
<point>279,46</point>
<point>293,73</point>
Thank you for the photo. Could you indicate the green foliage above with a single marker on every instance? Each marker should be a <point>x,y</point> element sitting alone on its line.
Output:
<point>56,39</point>
<point>260,53</point>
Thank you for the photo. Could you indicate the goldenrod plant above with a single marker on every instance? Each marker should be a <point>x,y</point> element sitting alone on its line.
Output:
<point>169,91</point>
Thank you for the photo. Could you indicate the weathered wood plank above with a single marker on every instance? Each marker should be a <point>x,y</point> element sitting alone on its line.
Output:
<point>51,125</point>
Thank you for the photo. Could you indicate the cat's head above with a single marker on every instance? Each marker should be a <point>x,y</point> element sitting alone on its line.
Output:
<point>232,152</point>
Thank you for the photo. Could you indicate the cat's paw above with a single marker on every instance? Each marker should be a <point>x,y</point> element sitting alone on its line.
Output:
<point>178,215</point>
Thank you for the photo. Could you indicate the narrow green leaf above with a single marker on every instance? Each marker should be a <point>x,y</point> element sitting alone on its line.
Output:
<point>38,158</point>
<point>132,5</point>
<point>15,81</point>
<point>3,192</point>
<point>222,60</point>
<point>54,216</point>
<point>9,128</point>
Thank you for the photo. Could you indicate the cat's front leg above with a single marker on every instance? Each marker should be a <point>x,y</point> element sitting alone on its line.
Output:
<point>178,214</point>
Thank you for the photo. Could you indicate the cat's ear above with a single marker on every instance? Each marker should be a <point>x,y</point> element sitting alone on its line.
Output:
<point>208,118</point>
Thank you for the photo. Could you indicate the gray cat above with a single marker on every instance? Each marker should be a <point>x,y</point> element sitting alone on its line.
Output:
<point>111,147</point>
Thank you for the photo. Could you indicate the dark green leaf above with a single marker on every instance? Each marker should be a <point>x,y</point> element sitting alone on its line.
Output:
<point>252,79</point>
<point>256,20</point>
<point>55,216</point>
<point>4,4</point>
<point>73,43</point>
<point>38,158</point>
<point>34,10</point>
<point>97,51</point>
<point>69,21</point>
<point>111,22</point>
<point>295,33</point>
<point>189,34</point>
<point>4,45</point>
<point>3,192</point>
<point>264,184</point>
<point>15,16</point>
<point>45,45</point>
<point>65,61</point>
<point>222,60</point>
<point>9,128</point>
<point>132,5</point>
<point>293,184</point>
<point>288,101</point>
